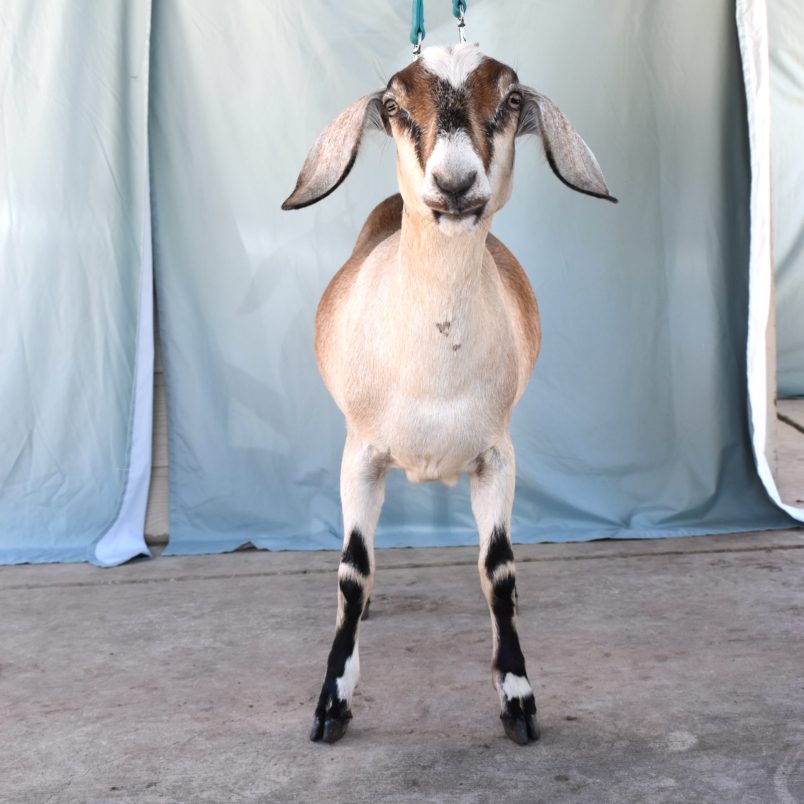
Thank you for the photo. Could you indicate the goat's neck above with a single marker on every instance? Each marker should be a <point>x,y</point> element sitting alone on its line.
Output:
<point>439,270</point>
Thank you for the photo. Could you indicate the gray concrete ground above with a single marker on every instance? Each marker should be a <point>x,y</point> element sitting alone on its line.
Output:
<point>665,671</point>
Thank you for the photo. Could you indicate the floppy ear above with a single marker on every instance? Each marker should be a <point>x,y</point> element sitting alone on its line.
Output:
<point>569,156</point>
<point>334,152</point>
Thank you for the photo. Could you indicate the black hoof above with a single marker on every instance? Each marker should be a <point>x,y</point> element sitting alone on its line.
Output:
<point>365,615</point>
<point>335,729</point>
<point>331,718</point>
<point>515,729</point>
<point>330,729</point>
<point>317,732</point>
<point>519,720</point>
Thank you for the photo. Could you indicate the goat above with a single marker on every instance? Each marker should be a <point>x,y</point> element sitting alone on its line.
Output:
<point>427,336</point>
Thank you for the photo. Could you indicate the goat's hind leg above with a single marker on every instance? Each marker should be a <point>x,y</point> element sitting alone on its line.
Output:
<point>492,490</point>
<point>362,493</point>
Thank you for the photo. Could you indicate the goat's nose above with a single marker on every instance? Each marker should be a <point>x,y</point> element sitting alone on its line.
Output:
<point>455,186</point>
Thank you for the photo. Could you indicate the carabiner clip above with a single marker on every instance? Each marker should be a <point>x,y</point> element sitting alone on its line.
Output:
<point>417,48</point>
<point>458,11</point>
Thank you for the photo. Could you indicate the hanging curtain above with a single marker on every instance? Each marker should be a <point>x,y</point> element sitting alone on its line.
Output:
<point>634,423</point>
<point>75,280</point>
<point>786,19</point>
<point>646,415</point>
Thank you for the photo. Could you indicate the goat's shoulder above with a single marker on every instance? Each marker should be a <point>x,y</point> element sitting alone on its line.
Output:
<point>520,295</point>
<point>383,222</point>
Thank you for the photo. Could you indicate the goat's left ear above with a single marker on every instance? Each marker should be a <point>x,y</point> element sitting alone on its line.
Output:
<point>568,155</point>
<point>334,152</point>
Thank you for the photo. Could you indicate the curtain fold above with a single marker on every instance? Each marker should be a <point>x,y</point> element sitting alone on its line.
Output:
<point>786,39</point>
<point>74,279</point>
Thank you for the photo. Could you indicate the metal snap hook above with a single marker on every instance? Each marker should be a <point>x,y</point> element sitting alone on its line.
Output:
<point>417,48</point>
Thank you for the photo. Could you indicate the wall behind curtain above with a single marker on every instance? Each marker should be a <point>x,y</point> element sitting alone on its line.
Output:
<point>786,23</point>
<point>73,137</point>
<point>635,421</point>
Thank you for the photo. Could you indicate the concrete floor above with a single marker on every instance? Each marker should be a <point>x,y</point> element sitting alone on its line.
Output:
<point>665,671</point>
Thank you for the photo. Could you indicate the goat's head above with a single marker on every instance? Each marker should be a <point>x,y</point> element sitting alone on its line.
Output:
<point>454,114</point>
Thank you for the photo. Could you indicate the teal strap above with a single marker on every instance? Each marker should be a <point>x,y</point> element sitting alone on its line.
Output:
<point>417,22</point>
<point>417,26</point>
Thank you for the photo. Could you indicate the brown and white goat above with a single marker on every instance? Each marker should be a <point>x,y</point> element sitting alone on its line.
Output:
<point>427,336</point>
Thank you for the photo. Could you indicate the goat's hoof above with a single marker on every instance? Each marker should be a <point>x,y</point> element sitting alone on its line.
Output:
<point>330,721</point>
<point>365,614</point>
<point>329,729</point>
<point>519,720</point>
<point>335,728</point>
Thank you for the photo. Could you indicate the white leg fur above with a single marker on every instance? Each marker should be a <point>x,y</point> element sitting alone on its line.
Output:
<point>348,681</point>
<point>492,490</point>
<point>515,686</point>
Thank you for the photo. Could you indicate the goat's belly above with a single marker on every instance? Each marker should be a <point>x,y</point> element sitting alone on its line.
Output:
<point>438,439</point>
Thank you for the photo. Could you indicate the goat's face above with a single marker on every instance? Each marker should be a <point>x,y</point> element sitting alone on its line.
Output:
<point>454,114</point>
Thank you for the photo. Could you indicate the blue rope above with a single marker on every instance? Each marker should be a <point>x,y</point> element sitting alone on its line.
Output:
<point>417,26</point>
<point>417,23</point>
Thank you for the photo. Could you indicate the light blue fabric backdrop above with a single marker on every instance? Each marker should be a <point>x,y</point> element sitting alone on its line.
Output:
<point>635,422</point>
<point>786,21</point>
<point>74,270</point>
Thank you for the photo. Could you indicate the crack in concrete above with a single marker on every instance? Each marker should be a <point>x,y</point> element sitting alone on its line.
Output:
<point>792,422</point>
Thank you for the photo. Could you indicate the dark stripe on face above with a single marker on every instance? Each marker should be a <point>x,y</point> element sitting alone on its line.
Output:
<point>450,104</point>
<point>499,551</point>
<point>502,116</point>
<point>355,553</point>
<point>414,132</point>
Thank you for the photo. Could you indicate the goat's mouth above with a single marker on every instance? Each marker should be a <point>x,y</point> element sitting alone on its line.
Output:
<point>467,216</point>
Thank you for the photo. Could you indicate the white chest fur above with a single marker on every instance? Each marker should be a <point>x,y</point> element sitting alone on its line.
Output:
<point>425,368</point>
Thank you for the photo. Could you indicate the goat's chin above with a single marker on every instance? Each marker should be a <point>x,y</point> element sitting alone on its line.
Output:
<point>454,225</point>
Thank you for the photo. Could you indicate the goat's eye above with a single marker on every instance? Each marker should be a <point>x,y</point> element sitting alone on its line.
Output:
<point>391,107</point>
<point>514,100</point>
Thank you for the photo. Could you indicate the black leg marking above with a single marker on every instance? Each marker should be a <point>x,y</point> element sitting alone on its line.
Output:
<point>332,714</point>
<point>518,713</point>
<point>509,658</point>
<point>355,553</point>
<point>499,551</point>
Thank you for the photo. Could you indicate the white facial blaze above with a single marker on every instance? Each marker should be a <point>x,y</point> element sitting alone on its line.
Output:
<point>452,159</point>
<point>452,64</point>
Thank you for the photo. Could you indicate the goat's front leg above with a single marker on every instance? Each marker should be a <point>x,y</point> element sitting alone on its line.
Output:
<point>362,493</point>
<point>492,489</point>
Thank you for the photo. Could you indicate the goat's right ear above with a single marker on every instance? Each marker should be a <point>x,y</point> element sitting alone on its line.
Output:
<point>567,154</point>
<point>334,152</point>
